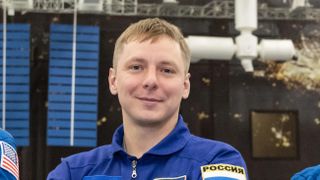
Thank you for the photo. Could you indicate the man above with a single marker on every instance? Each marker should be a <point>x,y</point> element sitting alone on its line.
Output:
<point>9,161</point>
<point>150,76</point>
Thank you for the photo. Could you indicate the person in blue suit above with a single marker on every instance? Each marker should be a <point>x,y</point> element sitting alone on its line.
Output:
<point>310,173</point>
<point>9,161</point>
<point>150,76</point>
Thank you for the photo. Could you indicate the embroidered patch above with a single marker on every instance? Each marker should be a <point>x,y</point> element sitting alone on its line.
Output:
<point>172,178</point>
<point>223,172</point>
<point>9,159</point>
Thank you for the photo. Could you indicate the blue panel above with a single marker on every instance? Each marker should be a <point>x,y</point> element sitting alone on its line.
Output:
<point>87,72</point>
<point>16,45</point>
<point>88,29</point>
<point>67,80</point>
<point>78,106</point>
<point>67,54</point>
<point>86,82</point>
<point>11,106</point>
<point>17,81</point>
<point>17,124</point>
<point>61,63</point>
<point>67,28</point>
<point>16,62</point>
<point>80,98</point>
<point>13,97</point>
<point>20,115</point>
<point>57,80</point>
<point>21,36</point>
<point>16,27</point>
<point>17,88</point>
<point>88,47</point>
<point>56,37</point>
<point>77,115</point>
<point>87,55</point>
<point>18,133</point>
<point>13,36</point>
<point>66,124</point>
<point>59,71</point>
<point>77,142</point>
<point>61,54</point>
<point>16,53</point>
<point>59,106</point>
<point>86,107</point>
<point>16,71</point>
<point>87,63</point>
<point>92,98</point>
<point>78,133</point>
<point>79,63</point>
<point>61,89</point>
<point>67,89</point>
<point>80,46</point>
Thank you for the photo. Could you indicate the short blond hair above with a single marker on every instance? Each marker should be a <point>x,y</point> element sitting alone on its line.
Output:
<point>152,28</point>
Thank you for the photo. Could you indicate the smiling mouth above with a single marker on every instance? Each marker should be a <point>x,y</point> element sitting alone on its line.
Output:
<point>149,99</point>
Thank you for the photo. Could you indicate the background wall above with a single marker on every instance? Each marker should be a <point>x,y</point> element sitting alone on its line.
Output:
<point>222,97</point>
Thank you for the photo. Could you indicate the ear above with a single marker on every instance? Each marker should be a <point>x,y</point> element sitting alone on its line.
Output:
<point>186,86</point>
<point>112,81</point>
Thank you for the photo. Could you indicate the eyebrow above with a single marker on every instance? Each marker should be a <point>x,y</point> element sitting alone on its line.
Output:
<point>165,62</point>
<point>135,59</point>
<point>143,60</point>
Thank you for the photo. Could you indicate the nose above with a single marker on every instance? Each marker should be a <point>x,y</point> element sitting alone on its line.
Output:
<point>150,81</point>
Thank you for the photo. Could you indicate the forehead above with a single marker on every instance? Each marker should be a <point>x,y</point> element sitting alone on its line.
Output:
<point>160,48</point>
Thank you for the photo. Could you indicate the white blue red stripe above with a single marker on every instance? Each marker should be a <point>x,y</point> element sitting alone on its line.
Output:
<point>9,159</point>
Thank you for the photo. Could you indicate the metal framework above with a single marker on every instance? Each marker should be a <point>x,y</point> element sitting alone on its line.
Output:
<point>223,9</point>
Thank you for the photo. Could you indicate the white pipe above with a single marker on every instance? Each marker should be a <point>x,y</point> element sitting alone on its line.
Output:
<point>73,83</point>
<point>270,49</point>
<point>246,22</point>
<point>246,47</point>
<point>205,47</point>
<point>247,65</point>
<point>4,65</point>
<point>246,14</point>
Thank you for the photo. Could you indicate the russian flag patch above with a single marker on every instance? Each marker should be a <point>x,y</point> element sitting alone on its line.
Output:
<point>223,172</point>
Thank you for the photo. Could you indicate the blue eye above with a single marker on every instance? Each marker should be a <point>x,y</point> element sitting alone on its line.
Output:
<point>135,67</point>
<point>168,70</point>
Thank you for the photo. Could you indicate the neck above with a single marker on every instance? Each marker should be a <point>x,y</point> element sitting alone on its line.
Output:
<point>140,139</point>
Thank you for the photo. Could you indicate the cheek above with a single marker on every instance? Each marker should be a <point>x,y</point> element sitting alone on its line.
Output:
<point>174,88</point>
<point>126,85</point>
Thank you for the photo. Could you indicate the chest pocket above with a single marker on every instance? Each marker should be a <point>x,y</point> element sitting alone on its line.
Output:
<point>172,178</point>
<point>102,177</point>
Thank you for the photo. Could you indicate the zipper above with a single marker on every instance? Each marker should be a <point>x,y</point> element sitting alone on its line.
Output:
<point>134,169</point>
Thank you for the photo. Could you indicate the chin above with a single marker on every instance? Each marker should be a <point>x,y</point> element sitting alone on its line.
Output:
<point>149,121</point>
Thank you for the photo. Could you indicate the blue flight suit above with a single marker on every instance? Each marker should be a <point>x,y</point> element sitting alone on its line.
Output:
<point>178,156</point>
<point>310,173</point>
<point>7,138</point>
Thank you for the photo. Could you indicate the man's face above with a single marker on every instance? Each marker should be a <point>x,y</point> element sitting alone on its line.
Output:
<point>150,81</point>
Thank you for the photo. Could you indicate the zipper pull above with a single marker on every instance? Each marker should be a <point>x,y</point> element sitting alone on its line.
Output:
<point>134,169</point>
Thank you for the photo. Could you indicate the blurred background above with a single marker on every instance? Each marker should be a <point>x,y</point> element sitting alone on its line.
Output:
<point>271,115</point>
